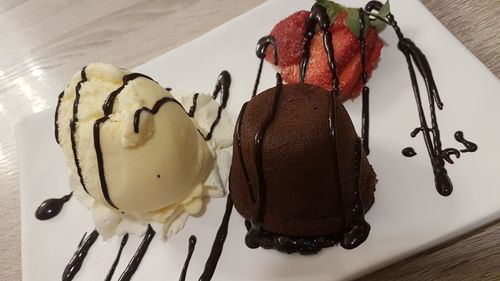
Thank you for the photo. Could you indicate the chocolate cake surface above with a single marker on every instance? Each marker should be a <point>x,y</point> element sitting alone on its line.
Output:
<point>303,196</point>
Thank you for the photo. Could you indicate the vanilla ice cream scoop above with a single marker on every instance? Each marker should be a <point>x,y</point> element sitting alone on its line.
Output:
<point>136,155</point>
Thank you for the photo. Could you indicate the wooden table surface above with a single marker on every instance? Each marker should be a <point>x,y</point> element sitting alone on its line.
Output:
<point>44,42</point>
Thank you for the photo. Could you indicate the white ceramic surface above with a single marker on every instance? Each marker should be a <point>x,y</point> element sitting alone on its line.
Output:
<point>408,215</point>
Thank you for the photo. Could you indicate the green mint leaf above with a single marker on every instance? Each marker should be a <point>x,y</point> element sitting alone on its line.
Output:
<point>378,24</point>
<point>353,22</point>
<point>332,9</point>
<point>385,10</point>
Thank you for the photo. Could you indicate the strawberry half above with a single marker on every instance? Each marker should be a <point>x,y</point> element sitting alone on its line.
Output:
<point>289,36</point>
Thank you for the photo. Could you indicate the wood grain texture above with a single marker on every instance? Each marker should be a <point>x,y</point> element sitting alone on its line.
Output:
<point>44,42</point>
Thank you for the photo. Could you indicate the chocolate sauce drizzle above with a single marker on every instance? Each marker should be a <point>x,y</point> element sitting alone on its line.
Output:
<point>100,160</point>
<point>108,105</point>
<point>260,51</point>
<point>72,126</point>
<point>51,207</point>
<point>359,228</point>
<point>117,259</point>
<point>222,87</point>
<point>409,152</point>
<point>254,235</point>
<point>56,117</point>
<point>192,109</point>
<point>218,244</point>
<point>154,110</point>
<point>240,152</point>
<point>365,119</point>
<point>192,244</point>
<point>431,134</point>
<point>134,263</point>
<point>469,146</point>
<point>76,261</point>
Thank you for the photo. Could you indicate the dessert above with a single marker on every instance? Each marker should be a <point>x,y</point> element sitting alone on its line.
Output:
<point>300,176</point>
<point>289,34</point>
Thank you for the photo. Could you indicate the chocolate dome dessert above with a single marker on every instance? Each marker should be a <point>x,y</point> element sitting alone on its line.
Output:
<point>305,196</point>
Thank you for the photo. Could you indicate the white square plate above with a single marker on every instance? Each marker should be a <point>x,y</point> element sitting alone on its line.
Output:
<point>408,216</point>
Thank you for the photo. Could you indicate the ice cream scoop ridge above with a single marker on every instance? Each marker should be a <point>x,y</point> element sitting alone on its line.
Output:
<point>140,154</point>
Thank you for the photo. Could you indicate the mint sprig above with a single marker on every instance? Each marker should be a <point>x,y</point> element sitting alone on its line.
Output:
<point>384,12</point>
<point>352,20</point>
<point>332,9</point>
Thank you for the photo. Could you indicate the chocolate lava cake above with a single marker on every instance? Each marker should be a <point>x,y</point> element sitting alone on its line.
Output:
<point>306,205</point>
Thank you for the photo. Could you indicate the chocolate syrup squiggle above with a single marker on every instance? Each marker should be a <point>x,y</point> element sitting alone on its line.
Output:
<point>192,244</point>
<point>76,261</point>
<point>72,126</point>
<point>469,146</point>
<point>51,207</point>
<point>134,263</point>
<point>117,259</point>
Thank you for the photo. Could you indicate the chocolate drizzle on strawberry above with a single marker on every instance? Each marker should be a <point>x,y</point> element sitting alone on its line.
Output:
<point>365,121</point>
<point>431,134</point>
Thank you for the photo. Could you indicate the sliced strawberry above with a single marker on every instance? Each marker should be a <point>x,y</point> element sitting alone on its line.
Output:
<point>348,60</point>
<point>289,35</point>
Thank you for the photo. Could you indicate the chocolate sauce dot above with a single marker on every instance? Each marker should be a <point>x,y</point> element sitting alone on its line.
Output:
<point>51,207</point>
<point>409,152</point>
